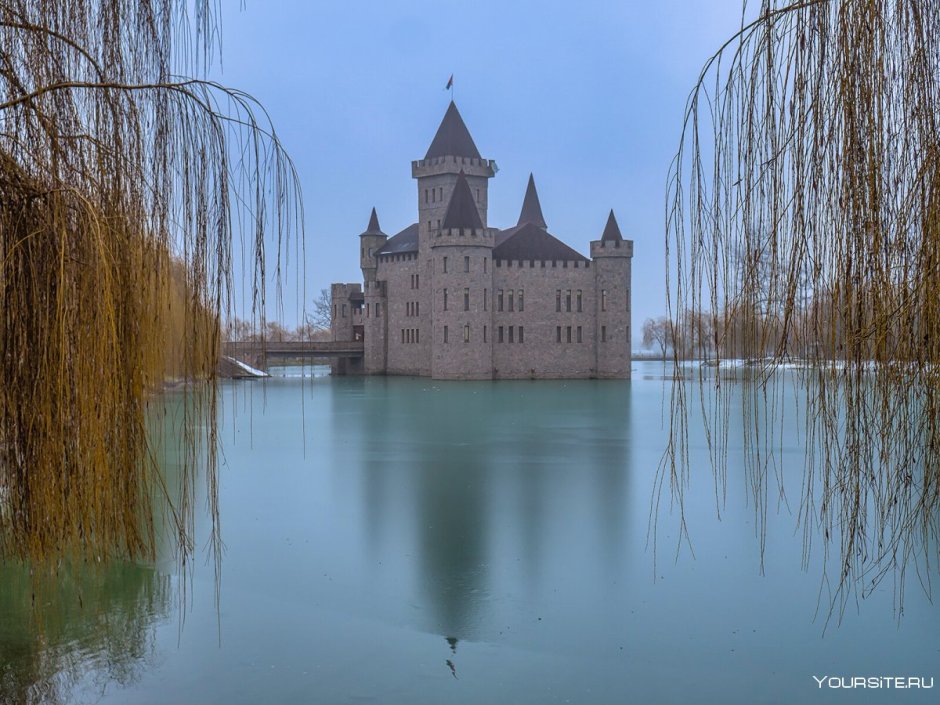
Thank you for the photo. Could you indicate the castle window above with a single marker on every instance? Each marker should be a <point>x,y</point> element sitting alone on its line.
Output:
<point>362,252</point>
<point>485,297</point>
<point>499,334</point>
<point>564,264</point>
<point>417,281</point>
<point>466,299</point>
<point>466,264</point>
<point>344,310</point>
<point>558,301</point>
<point>445,334</point>
<point>543,264</point>
<point>484,265</point>
<point>429,226</point>
<point>603,334</point>
<point>402,335</point>
<point>445,299</point>
<point>603,299</point>
<point>370,252</point>
<point>378,310</point>
<point>466,333</point>
<point>511,304</point>
<point>445,265</point>
<point>521,300</point>
<point>440,193</point>
<point>368,310</point>
<point>418,335</point>
<point>438,223</point>
<point>433,196</point>
<point>425,195</point>
<point>417,308</point>
<point>511,331</point>
<point>557,334</point>
<point>568,301</point>
<point>478,195</point>
<point>579,334</point>
<point>484,334</point>
<point>499,300</point>
<point>579,301</point>
<point>521,335</point>
<point>568,334</point>
<point>334,310</point>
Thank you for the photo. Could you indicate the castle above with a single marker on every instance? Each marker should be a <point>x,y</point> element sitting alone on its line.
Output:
<point>451,298</point>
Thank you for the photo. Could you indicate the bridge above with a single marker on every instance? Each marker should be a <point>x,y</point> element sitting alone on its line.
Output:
<point>257,354</point>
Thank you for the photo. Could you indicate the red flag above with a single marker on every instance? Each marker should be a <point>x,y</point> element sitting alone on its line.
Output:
<point>450,82</point>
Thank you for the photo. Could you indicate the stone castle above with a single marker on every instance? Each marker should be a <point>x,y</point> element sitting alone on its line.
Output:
<point>451,298</point>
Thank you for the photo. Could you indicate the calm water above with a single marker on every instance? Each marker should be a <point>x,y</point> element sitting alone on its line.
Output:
<point>406,541</point>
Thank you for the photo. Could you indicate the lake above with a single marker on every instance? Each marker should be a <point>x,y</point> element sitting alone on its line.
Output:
<point>400,540</point>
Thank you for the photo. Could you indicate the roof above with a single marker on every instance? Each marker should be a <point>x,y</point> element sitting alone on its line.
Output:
<point>373,227</point>
<point>531,208</point>
<point>611,230</point>
<point>453,138</point>
<point>529,241</point>
<point>462,210</point>
<point>405,241</point>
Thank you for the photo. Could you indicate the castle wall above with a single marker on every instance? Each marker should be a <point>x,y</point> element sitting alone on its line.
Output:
<point>612,271</point>
<point>408,340</point>
<point>541,355</point>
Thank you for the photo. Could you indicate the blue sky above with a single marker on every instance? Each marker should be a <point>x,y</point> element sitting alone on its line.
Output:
<point>587,95</point>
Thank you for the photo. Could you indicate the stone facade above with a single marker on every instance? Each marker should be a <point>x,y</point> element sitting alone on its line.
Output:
<point>451,298</point>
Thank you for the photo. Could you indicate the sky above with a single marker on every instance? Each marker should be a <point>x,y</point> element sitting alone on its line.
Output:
<point>589,96</point>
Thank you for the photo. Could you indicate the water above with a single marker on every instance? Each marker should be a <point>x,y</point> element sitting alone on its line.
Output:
<point>397,540</point>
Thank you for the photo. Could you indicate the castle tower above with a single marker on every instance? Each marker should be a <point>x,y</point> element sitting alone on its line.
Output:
<point>452,150</point>
<point>375,315</point>
<point>612,257</point>
<point>370,242</point>
<point>461,258</point>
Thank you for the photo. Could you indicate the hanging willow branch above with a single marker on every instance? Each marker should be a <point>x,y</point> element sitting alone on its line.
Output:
<point>120,183</point>
<point>804,222</point>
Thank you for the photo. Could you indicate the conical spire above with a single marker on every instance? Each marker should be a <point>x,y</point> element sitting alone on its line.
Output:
<point>531,208</point>
<point>611,230</point>
<point>373,227</point>
<point>453,138</point>
<point>462,211</point>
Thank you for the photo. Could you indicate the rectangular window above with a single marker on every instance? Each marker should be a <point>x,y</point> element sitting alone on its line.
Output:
<point>418,335</point>
<point>521,305</point>
<point>603,299</point>
<point>484,299</point>
<point>344,310</point>
<point>378,310</point>
<point>568,334</point>
<point>579,334</point>
<point>511,301</point>
<point>417,281</point>
<point>579,301</point>
<point>417,308</point>
<point>466,333</point>
<point>445,265</point>
<point>466,299</point>
<point>499,300</point>
<point>521,335</point>
<point>558,300</point>
<point>603,334</point>
<point>445,299</point>
<point>557,334</point>
<point>484,265</point>
<point>445,334</point>
<point>568,301</point>
<point>440,193</point>
<point>466,264</point>
<point>368,310</point>
<point>484,334</point>
<point>499,334</point>
<point>511,332</point>
<point>334,310</point>
<point>425,195</point>
<point>402,335</point>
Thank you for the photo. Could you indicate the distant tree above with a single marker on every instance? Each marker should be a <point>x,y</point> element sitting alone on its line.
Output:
<point>658,332</point>
<point>322,316</point>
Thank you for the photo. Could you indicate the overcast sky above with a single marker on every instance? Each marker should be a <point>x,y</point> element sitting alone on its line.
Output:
<point>587,95</point>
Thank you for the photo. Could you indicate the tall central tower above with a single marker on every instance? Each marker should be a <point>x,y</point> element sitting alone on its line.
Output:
<point>452,151</point>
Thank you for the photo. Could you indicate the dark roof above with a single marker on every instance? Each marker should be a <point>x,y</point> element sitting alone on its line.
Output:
<point>531,208</point>
<point>531,242</point>
<point>373,227</point>
<point>462,210</point>
<point>405,241</point>
<point>611,230</point>
<point>453,138</point>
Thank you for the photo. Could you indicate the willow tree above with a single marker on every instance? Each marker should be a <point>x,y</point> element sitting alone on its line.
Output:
<point>120,183</point>
<point>804,221</point>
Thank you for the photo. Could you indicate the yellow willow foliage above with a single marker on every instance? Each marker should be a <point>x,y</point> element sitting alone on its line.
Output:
<point>804,222</point>
<point>119,187</point>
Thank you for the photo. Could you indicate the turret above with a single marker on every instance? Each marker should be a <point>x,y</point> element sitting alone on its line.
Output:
<point>452,151</point>
<point>370,242</point>
<point>612,257</point>
<point>462,253</point>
